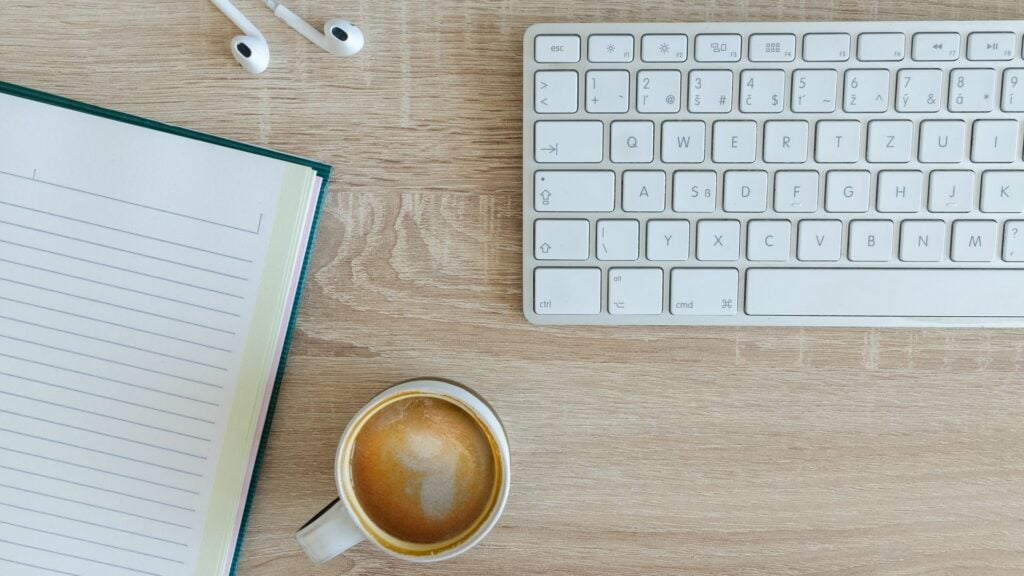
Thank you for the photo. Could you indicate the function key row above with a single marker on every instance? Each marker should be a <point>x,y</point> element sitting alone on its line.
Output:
<point>817,47</point>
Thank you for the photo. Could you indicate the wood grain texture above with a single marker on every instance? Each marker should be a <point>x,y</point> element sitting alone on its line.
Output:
<point>656,451</point>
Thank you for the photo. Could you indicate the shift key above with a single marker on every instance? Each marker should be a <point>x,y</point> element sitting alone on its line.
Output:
<point>574,191</point>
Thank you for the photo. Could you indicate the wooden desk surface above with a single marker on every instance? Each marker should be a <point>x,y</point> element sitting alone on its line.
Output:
<point>670,451</point>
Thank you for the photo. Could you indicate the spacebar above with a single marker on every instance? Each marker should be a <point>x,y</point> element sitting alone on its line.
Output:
<point>884,292</point>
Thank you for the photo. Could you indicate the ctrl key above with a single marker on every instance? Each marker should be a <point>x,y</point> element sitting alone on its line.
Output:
<point>567,291</point>
<point>704,291</point>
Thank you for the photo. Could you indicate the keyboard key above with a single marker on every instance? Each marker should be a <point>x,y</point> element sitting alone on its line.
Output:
<point>610,48</point>
<point>1013,241</point>
<point>668,240</point>
<point>796,191</point>
<point>568,141</point>
<point>994,141</point>
<point>950,191</point>
<point>561,240</point>
<point>772,47</point>
<point>761,90</point>
<point>919,90</point>
<point>718,48</point>
<point>936,47</point>
<point>974,241</point>
<point>837,141</point>
<point>889,141</point>
<point>768,240</point>
<point>734,141</point>
<point>899,191</point>
<point>826,47</point>
<point>710,91</point>
<point>718,240</point>
<point>555,92</point>
<point>657,91</point>
<point>866,91</point>
<point>694,191</point>
<point>819,240</point>
<point>941,141</point>
<point>1013,90</point>
<point>663,48</point>
<point>972,90</point>
<point>870,241</point>
<point>881,47</point>
<point>643,191</point>
<point>574,191</point>
<point>785,141</point>
<point>814,91</point>
<point>1002,191</point>
<point>745,191</point>
<point>704,291</point>
<point>922,240</point>
<point>991,46</point>
<point>567,291</point>
<point>632,141</point>
<point>634,290</point>
<point>618,239</point>
<point>847,190</point>
<point>607,91</point>
<point>682,141</point>
<point>884,292</point>
<point>557,49</point>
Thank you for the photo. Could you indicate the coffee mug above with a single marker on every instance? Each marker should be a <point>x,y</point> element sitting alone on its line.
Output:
<point>422,471</point>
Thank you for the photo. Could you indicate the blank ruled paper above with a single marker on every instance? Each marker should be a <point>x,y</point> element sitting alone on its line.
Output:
<point>131,263</point>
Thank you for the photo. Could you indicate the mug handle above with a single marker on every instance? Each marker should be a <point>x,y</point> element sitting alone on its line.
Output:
<point>329,533</point>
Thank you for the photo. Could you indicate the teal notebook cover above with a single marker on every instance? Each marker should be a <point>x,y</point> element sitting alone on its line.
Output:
<point>322,170</point>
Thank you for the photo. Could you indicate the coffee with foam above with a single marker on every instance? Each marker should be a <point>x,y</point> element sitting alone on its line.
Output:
<point>424,470</point>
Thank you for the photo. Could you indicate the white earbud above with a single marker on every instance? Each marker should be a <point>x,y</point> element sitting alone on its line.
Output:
<point>250,49</point>
<point>340,37</point>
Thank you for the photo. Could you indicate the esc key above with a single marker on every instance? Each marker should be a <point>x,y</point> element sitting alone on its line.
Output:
<point>557,48</point>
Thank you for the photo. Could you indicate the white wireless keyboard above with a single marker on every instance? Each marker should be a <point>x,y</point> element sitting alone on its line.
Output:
<point>801,173</point>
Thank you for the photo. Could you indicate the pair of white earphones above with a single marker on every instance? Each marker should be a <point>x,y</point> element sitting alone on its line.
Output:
<point>250,49</point>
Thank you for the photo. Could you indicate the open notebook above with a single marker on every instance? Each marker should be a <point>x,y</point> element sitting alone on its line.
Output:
<point>148,280</point>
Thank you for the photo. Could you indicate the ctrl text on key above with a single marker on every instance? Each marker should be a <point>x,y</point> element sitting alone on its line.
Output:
<point>567,291</point>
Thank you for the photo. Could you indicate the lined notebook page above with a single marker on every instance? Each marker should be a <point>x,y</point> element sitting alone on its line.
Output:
<point>131,262</point>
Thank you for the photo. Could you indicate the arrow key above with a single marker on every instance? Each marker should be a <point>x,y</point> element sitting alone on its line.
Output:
<point>555,91</point>
<point>561,240</point>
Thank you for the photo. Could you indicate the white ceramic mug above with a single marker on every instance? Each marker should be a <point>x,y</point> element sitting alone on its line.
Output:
<point>343,523</point>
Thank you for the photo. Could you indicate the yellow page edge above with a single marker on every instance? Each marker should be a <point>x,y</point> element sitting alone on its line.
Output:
<point>226,498</point>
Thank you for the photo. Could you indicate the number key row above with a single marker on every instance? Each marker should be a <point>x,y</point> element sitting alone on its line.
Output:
<point>764,91</point>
